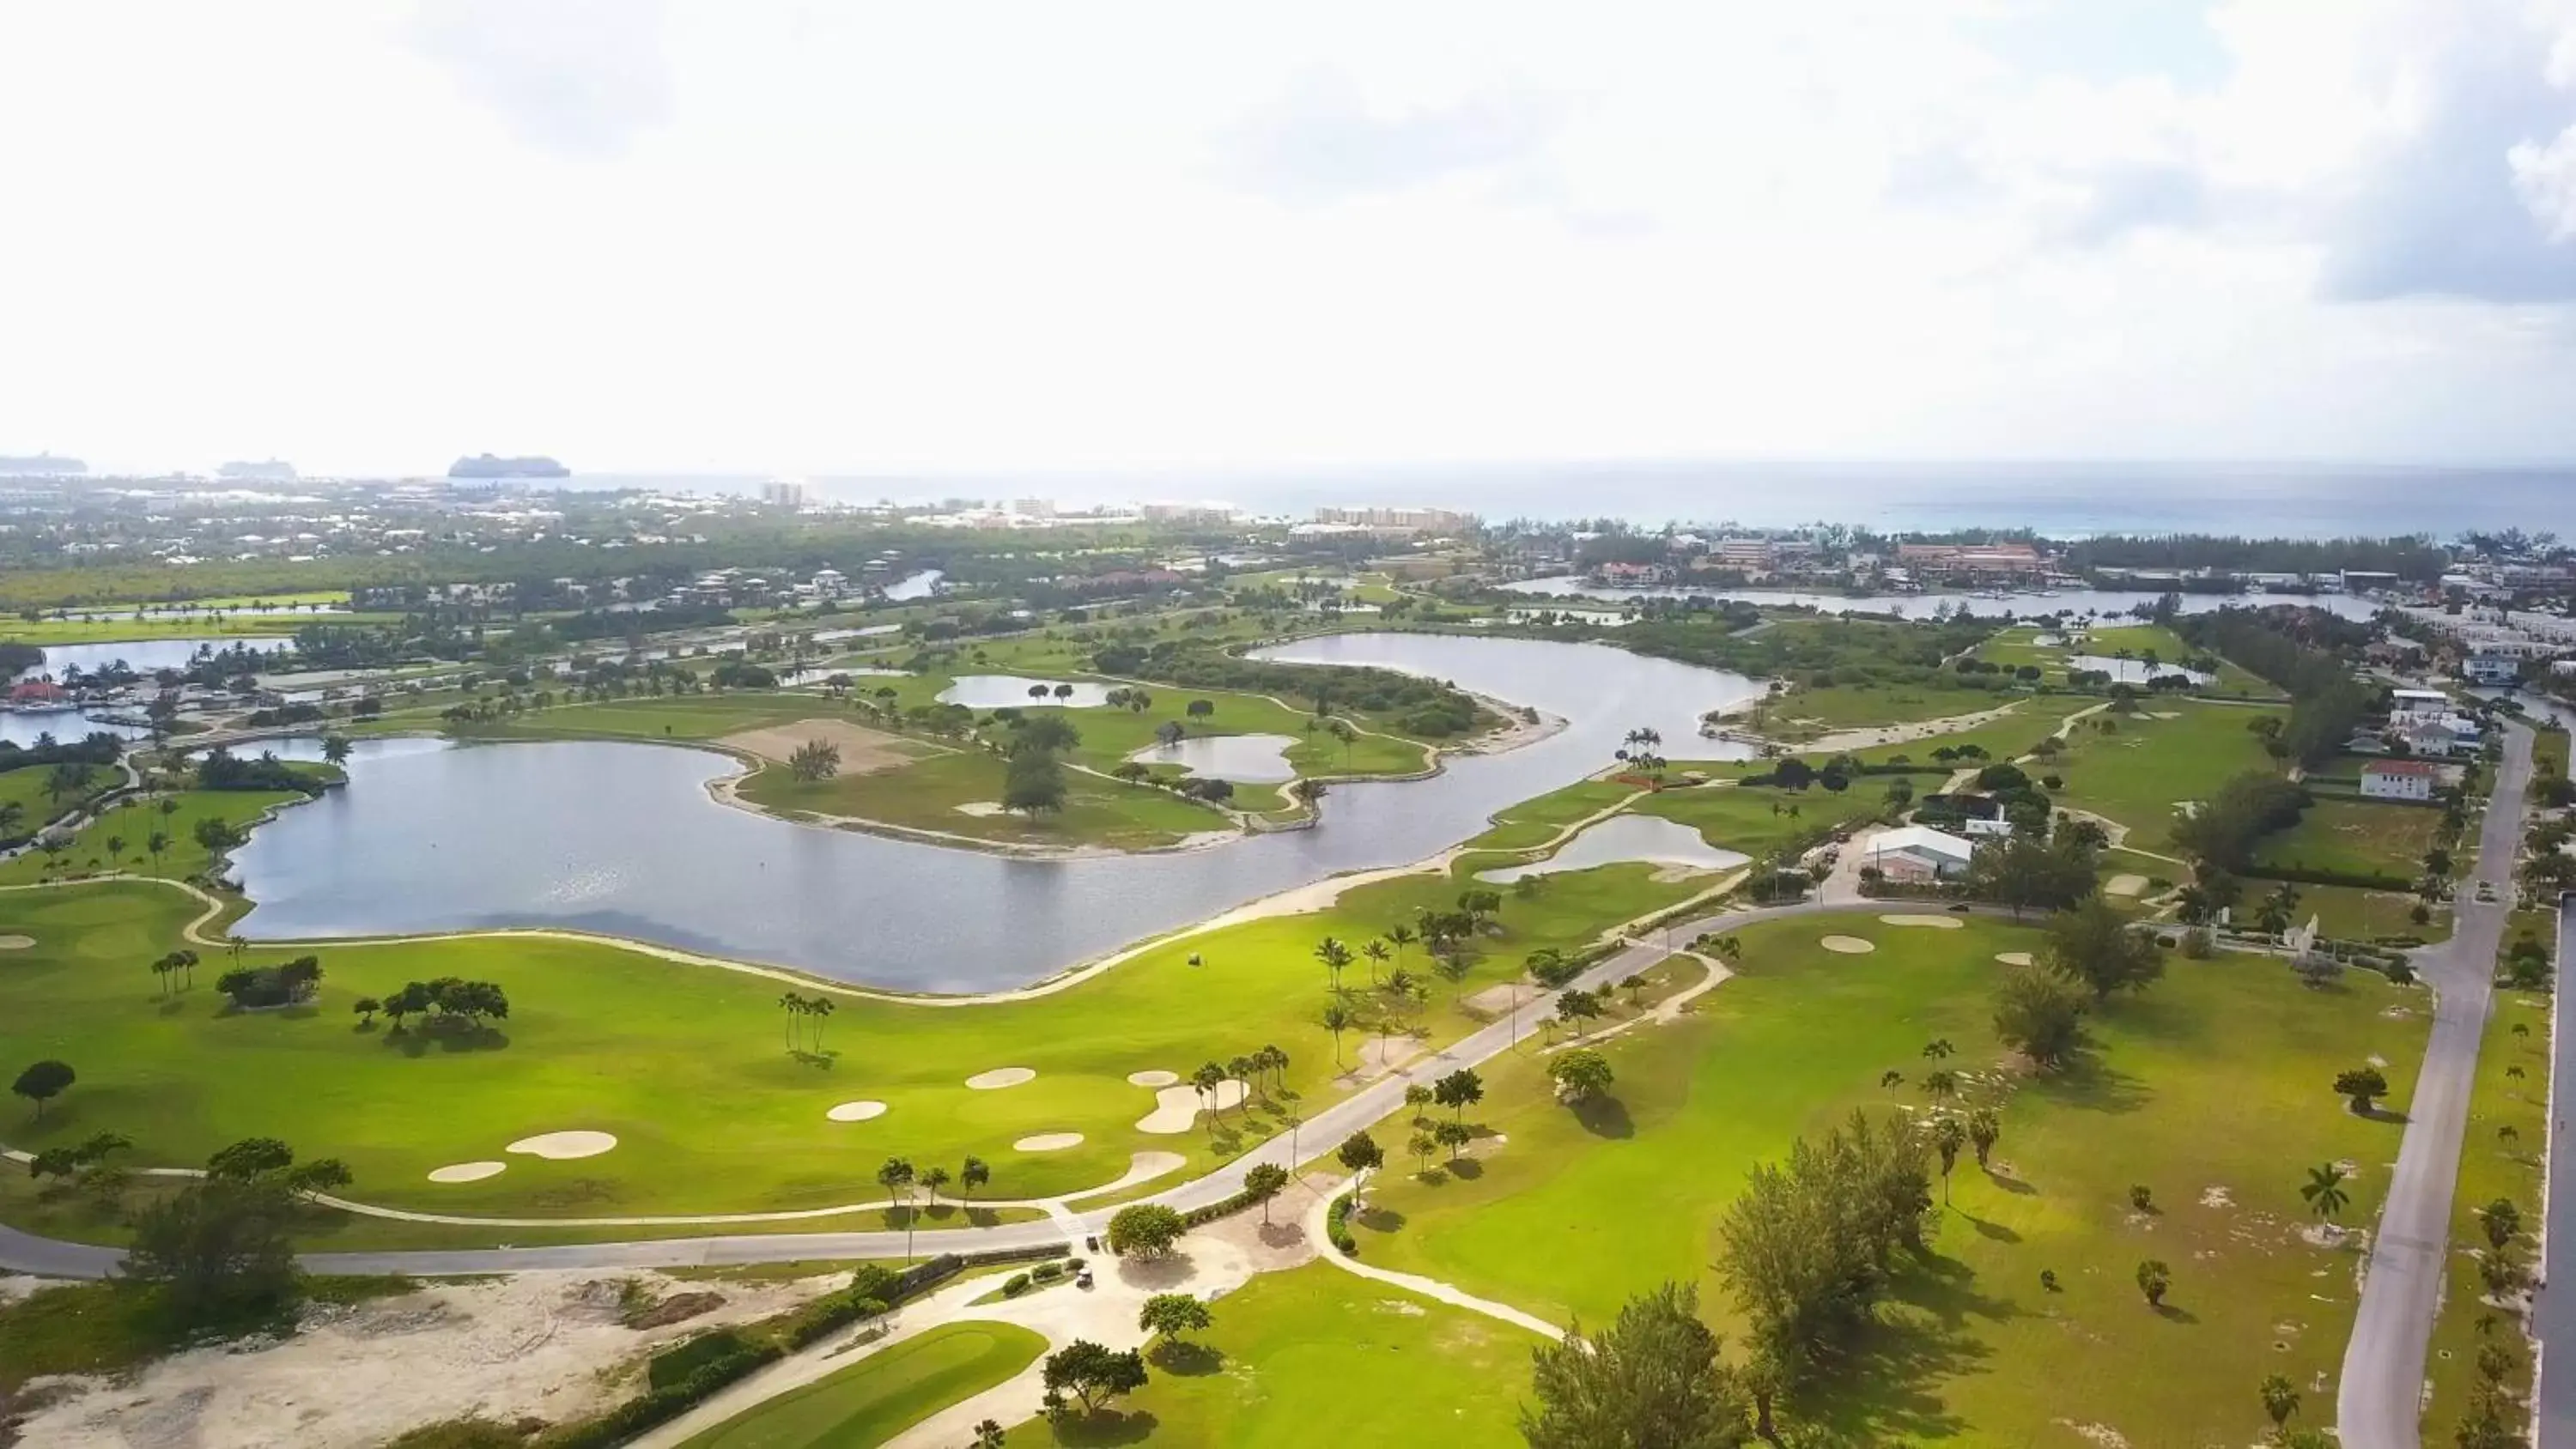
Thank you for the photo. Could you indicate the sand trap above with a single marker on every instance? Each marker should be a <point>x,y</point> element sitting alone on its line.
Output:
<point>1848,945</point>
<point>1152,1079</point>
<point>16,943</point>
<point>1177,1108</point>
<point>1000,1077</point>
<point>1938,923</point>
<point>564,1146</point>
<point>863,751</point>
<point>2013,958</point>
<point>467,1171</point>
<point>1048,1142</point>
<point>856,1111</point>
<point>982,809</point>
<point>1143,1167</point>
<point>2125,885</point>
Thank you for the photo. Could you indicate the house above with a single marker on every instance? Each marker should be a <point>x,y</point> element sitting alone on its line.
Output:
<point>1917,853</point>
<point>1985,829</point>
<point>2492,669</point>
<point>2399,780</point>
<point>2447,735</point>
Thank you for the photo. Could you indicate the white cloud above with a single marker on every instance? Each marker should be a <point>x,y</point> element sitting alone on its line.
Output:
<point>763,234</point>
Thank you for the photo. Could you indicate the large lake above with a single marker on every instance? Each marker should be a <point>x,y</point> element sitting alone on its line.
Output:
<point>622,838</point>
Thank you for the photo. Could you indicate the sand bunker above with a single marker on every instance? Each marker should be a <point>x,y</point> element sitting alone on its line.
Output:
<point>1938,923</point>
<point>467,1171</point>
<point>1000,1077</point>
<point>2013,958</point>
<point>983,809</point>
<point>1048,1142</point>
<point>16,943</point>
<point>863,751</point>
<point>856,1111</point>
<point>1847,945</point>
<point>564,1146</point>
<point>2124,885</point>
<point>1152,1079</point>
<point>1143,1167</point>
<point>1176,1108</point>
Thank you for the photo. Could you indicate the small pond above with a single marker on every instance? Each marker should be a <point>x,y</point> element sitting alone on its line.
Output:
<point>1650,839</point>
<point>1244,759</point>
<point>1001,691</point>
<point>2133,671</point>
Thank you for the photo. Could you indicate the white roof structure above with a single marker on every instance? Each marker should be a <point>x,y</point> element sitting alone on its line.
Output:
<point>1922,838</point>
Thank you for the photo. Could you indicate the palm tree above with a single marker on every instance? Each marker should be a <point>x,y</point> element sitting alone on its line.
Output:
<point>934,1178</point>
<point>1277,1062</point>
<point>2324,1191</point>
<point>1205,1081</point>
<point>335,748</point>
<point>1337,1019</point>
<point>1400,937</point>
<point>1984,1130</point>
<point>794,1006</point>
<point>972,1174</point>
<point>156,843</point>
<point>1335,956</point>
<point>895,1176</point>
<point>1376,953</point>
<point>2280,1401</point>
<point>1948,1136</point>
<point>1243,1069</point>
<point>818,1007</point>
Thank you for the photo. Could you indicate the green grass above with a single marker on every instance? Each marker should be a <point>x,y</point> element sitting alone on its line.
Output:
<point>1755,821</point>
<point>928,796</point>
<point>2352,914</point>
<point>127,631</point>
<point>106,1327</point>
<point>1533,823</point>
<point>2137,772</point>
<point>2212,1089</point>
<point>1807,711</point>
<point>1318,1356</point>
<point>887,1391</point>
<point>2492,1166</point>
<point>29,787</point>
<point>687,1064</point>
<point>136,820</point>
<point>2356,835</point>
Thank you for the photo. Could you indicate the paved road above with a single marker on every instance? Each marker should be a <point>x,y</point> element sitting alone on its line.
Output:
<point>2554,1313</point>
<point>1320,1134</point>
<point>2378,1399</point>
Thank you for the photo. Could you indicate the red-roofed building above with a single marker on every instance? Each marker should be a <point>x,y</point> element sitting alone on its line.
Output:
<point>2399,779</point>
<point>39,694</point>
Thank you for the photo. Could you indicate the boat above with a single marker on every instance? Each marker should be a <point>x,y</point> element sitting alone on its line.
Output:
<point>484,465</point>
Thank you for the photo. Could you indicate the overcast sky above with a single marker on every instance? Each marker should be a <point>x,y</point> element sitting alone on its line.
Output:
<point>830,237</point>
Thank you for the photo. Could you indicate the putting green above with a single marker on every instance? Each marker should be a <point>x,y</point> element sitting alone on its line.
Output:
<point>880,1395</point>
<point>2212,1089</point>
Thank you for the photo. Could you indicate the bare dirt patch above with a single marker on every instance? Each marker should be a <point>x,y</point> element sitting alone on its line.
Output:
<point>545,1345</point>
<point>863,751</point>
<point>2125,885</point>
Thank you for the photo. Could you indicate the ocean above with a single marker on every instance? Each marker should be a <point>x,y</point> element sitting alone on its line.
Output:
<point>2063,500</point>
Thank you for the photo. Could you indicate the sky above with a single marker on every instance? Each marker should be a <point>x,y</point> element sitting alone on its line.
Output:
<point>746,236</point>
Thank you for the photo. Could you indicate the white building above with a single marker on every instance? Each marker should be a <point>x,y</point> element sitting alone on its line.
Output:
<point>2446,735</point>
<point>2399,779</point>
<point>2417,703</point>
<point>1918,853</point>
<point>2492,669</point>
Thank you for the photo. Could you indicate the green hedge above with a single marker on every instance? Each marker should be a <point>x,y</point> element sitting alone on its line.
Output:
<point>1338,1231</point>
<point>2369,880</point>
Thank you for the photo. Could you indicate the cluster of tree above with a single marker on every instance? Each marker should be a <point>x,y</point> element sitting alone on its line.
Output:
<point>285,714</point>
<point>447,1006</point>
<point>1652,1378</point>
<point>1823,651</point>
<point>2526,964</point>
<point>814,760</point>
<point>742,674</point>
<point>2295,648</point>
<point>2046,871</point>
<point>221,769</point>
<point>2495,1417</point>
<point>2415,558</point>
<point>1810,1246</point>
<point>219,1253</point>
<point>1034,780</point>
<point>95,748</point>
<point>2228,826</point>
<point>283,984</point>
<point>1092,1374</point>
<point>1424,707</point>
<point>87,1168</point>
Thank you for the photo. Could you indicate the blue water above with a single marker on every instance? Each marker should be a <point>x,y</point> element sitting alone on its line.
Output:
<point>2064,499</point>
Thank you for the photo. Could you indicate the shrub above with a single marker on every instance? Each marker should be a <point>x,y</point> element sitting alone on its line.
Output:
<point>673,1366</point>
<point>1339,1231</point>
<point>1015,1285</point>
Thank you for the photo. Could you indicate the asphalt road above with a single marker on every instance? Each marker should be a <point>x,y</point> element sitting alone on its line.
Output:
<point>1316,1138</point>
<point>2379,1395</point>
